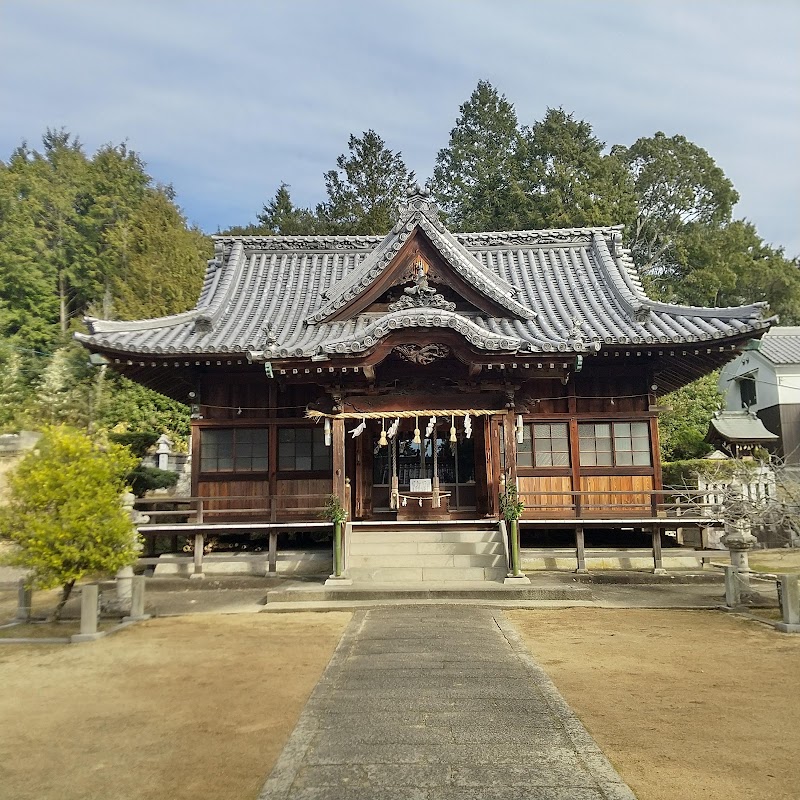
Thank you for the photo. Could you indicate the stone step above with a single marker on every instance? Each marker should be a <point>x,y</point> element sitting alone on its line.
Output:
<point>359,547</point>
<point>483,592</point>
<point>387,574</point>
<point>444,535</point>
<point>427,560</point>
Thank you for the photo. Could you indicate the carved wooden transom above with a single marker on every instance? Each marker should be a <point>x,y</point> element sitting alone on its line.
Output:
<point>422,354</point>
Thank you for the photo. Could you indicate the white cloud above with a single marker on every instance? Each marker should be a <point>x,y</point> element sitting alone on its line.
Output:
<point>225,100</point>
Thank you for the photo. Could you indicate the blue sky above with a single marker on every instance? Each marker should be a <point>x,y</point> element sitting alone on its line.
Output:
<point>227,99</point>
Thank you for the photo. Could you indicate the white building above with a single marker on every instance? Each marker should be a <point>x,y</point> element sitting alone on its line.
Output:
<point>766,380</point>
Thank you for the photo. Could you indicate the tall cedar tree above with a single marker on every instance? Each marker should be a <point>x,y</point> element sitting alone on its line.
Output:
<point>364,189</point>
<point>87,235</point>
<point>281,217</point>
<point>568,180</point>
<point>476,177</point>
<point>74,231</point>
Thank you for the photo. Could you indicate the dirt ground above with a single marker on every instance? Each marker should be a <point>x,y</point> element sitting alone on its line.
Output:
<point>685,704</point>
<point>196,707</point>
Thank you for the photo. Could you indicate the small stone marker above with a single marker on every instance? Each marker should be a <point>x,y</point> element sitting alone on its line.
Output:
<point>732,588</point>
<point>89,608</point>
<point>24,601</point>
<point>137,600</point>
<point>789,593</point>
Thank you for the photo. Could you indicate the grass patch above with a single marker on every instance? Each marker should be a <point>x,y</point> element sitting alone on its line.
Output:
<point>776,561</point>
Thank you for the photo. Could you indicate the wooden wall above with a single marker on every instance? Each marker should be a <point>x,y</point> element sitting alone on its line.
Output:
<point>621,393</point>
<point>616,494</point>
<point>546,505</point>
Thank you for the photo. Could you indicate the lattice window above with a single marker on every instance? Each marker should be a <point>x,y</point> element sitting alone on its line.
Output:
<point>234,449</point>
<point>303,450</point>
<point>609,444</point>
<point>544,444</point>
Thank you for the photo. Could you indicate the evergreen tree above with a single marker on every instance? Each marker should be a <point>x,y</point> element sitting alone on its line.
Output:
<point>79,233</point>
<point>364,189</point>
<point>568,180</point>
<point>129,407</point>
<point>282,218</point>
<point>12,390</point>
<point>160,270</point>
<point>683,428</point>
<point>677,184</point>
<point>61,394</point>
<point>476,177</point>
<point>728,265</point>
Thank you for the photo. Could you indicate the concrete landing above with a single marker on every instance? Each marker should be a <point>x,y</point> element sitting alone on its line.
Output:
<point>438,703</point>
<point>299,596</point>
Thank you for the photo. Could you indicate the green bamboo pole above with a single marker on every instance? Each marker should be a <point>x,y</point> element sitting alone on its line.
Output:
<point>337,549</point>
<point>515,549</point>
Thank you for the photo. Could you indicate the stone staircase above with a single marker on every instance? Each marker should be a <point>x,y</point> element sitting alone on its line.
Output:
<point>442,552</point>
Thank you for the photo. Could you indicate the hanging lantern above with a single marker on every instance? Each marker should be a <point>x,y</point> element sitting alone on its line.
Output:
<point>520,429</point>
<point>327,432</point>
<point>383,442</point>
<point>452,428</point>
<point>417,437</point>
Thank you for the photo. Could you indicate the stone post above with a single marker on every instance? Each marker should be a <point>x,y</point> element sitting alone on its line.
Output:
<point>89,615</point>
<point>658,559</point>
<point>732,589</point>
<point>198,556</point>
<point>580,550</point>
<point>789,592</point>
<point>24,601</point>
<point>272,560</point>
<point>137,600</point>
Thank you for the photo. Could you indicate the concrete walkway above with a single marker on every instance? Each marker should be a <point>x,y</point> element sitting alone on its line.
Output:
<point>438,703</point>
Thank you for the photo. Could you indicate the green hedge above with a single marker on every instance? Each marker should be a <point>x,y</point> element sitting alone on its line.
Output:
<point>684,473</point>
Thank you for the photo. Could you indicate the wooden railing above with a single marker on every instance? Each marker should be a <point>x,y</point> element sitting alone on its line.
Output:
<point>269,508</point>
<point>619,503</point>
<point>193,521</point>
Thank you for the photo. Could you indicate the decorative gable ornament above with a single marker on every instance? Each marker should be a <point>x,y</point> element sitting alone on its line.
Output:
<point>421,294</point>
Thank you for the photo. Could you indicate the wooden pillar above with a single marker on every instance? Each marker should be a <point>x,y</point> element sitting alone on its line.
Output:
<point>580,550</point>
<point>575,462</point>
<point>272,469</point>
<point>338,461</point>
<point>574,450</point>
<point>435,478</point>
<point>658,563</point>
<point>273,552</point>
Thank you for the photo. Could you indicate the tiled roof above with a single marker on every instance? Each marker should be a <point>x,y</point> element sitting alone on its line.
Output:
<point>781,346</point>
<point>562,290</point>
<point>740,427</point>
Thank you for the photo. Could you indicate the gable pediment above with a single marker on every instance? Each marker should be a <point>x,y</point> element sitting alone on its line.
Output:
<point>419,242</point>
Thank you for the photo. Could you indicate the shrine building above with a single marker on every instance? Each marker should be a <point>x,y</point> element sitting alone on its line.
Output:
<point>417,374</point>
